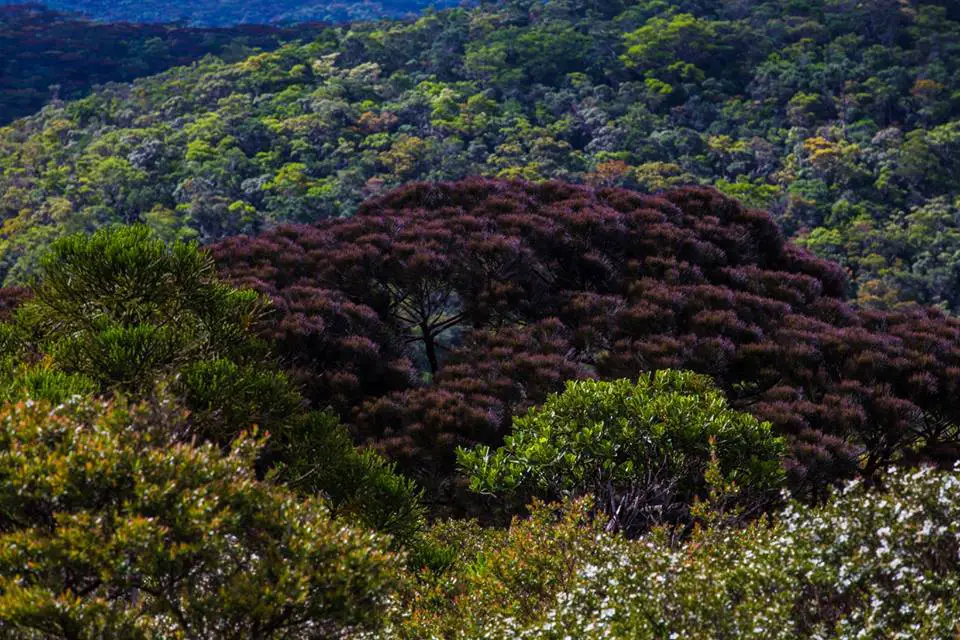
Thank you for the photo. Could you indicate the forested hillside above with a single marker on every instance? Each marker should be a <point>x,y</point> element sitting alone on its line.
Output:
<point>728,447</point>
<point>46,55</point>
<point>225,13</point>
<point>606,319</point>
<point>839,117</point>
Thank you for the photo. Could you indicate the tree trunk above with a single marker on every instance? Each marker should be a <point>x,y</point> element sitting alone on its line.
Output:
<point>430,347</point>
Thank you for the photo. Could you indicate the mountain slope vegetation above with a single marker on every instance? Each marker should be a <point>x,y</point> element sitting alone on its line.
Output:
<point>160,474</point>
<point>536,319</point>
<point>840,117</point>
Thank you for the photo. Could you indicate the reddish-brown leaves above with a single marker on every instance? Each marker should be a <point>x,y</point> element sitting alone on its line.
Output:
<point>497,292</point>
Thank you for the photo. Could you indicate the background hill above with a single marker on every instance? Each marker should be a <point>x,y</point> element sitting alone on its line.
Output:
<point>842,118</point>
<point>213,13</point>
<point>48,55</point>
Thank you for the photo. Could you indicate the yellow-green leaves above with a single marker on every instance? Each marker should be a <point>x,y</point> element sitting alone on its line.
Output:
<point>107,529</point>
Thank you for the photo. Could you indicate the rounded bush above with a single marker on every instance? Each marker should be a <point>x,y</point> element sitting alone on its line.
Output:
<point>641,449</point>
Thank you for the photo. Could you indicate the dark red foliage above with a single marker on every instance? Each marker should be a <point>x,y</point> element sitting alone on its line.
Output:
<point>440,310</point>
<point>10,299</point>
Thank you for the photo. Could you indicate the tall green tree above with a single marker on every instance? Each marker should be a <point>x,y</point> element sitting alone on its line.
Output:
<point>121,313</point>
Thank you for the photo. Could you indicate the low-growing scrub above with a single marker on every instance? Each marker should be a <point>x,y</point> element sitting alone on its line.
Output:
<point>108,529</point>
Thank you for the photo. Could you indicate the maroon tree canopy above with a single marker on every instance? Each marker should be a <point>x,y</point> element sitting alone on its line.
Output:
<point>440,310</point>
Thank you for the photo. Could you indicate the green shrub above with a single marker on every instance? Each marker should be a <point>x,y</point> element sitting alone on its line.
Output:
<point>109,529</point>
<point>869,564</point>
<point>121,310</point>
<point>493,574</point>
<point>361,485</point>
<point>641,449</point>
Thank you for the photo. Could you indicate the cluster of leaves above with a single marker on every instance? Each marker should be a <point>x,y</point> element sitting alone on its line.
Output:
<point>110,528</point>
<point>46,55</point>
<point>841,117</point>
<point>222,13</point>
<point>439,311</point>
<point>120,313</point>
<point>870,563</point>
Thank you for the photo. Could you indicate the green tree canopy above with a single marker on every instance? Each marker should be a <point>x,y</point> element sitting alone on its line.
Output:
<point>122,313</point>
<point>641,449</point>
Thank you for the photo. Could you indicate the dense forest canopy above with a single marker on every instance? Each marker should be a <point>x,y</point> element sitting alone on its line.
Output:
<point>46,55</point>
<point>214,13</point>
<point>839,117</point>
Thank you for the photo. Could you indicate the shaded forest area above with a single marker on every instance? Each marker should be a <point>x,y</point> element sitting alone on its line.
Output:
<point>50,56</point>
<point>229,13</point>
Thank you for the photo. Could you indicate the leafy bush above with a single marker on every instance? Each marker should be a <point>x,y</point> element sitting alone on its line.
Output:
<point>640,449</point>
<point>360,485</point>
<point>869,564</point>
<point>109,529</point>
<point>514,573</point>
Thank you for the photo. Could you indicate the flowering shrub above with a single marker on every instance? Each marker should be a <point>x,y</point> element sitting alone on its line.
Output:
<point>496,574</point>
<point>872,562</point>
